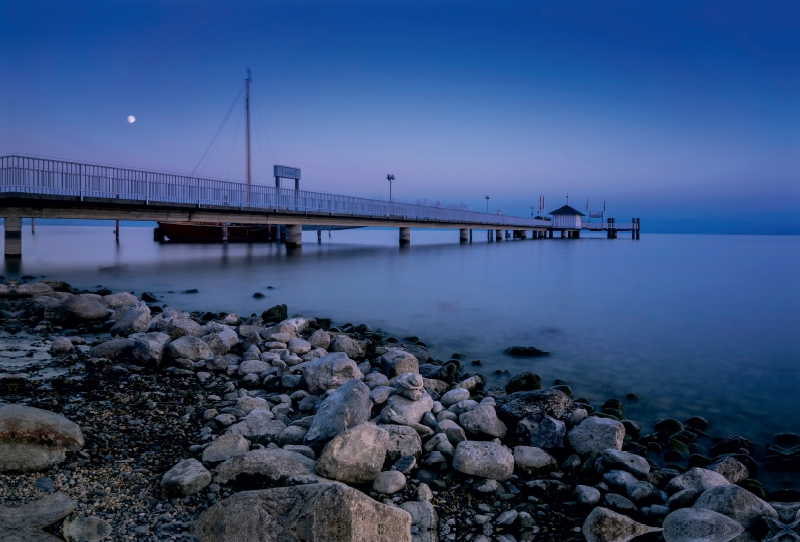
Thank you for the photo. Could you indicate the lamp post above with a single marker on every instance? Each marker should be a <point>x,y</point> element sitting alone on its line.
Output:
<point>487,205</point>
<point>390,178</point>
<point>488,231</point>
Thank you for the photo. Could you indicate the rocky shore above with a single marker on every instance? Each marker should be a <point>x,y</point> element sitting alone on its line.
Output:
<point>158,424</point>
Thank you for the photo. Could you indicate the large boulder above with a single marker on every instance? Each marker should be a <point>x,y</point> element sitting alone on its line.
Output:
<point>404,441</point>
<point>83,308</point>
<point>119,300</point>
<point>330,372</point>
<point>532,461</point>
<point>320,339</point>
<point>32,439</point>
<point>541,431</point>
<point>267,467</point>
<point>484,459</point>
<point>226,447</point>
<point>407,409</point>
<point>697,479</point>
<point>322,513</point>
<point>699,525</point>
<point>181,325</point>
<point>524,382</point>
<point>189,347</point>
<point>595,434</point>
<point>186,478</point>
<point>259,426</point>
<point>354,349</point>
<point>348,406</point>
<point>483,420</point>
<point>521,404</point>
<point>149,347</point>
<point>396,362</point>
<point>114,349</point>
<point>354,456</point>
<point>737,503</point>
<point>731,468</point>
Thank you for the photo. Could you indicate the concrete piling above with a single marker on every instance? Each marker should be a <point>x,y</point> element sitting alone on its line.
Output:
<point>13,237</point>
<point>405,236</point>
<point>463,235</point>
<point>294,236</point>
<point>498,235</point>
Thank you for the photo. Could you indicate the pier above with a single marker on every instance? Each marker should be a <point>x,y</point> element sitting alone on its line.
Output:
<point>33,188</point>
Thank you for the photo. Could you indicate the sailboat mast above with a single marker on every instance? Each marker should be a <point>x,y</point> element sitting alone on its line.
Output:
<point>247,108</point>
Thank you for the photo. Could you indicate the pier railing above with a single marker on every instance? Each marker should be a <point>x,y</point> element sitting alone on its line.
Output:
<point>30,175</point>
<point>599,226</point>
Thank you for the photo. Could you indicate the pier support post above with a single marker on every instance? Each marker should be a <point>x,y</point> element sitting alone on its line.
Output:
<point>498,235</point>
<point>523,234</point>
<point>224,232</point>
<point>33,225</point>
<point>576,234</point>
<point>13,237</point>
<point>470,235</point>
<point>319,236</point>
<point>294,236</point>
<point>564,234</point>
<point>463,236</point>
<point>638,227</point>
<point>405,236</point>
<point>116,230</point>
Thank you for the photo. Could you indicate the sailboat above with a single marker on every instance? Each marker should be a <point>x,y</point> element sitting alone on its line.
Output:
<point>215,232</point>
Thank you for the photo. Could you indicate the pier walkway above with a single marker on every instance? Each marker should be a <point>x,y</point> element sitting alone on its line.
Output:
<point>33,187</point>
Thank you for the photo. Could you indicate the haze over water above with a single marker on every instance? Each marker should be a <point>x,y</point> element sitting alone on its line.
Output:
<point>693,324</point>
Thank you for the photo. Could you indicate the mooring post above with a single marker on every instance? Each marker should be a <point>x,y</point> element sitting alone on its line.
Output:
<point>463,236</point>
<point>13,237</point>
<point>294,236</point>
<point>319,237</point>
<point>224,232</point>
<point>405,236</point>
<point>33,225</point>
<point>116,230</point>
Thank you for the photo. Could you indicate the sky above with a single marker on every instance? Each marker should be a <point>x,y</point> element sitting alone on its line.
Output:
<point>669,110</point>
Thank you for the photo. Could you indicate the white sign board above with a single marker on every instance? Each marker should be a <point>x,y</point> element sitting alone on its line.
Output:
<point>287,172</point>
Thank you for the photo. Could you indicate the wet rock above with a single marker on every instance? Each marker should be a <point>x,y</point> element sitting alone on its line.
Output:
<point>267,467</point>
<point>259,427</point>
<point>524,382</point>
<point>696,478</point>
<point>403,441</point>
<point>634,464</point>
<point>533,461</point>
<point>396,362</point>
<point>587,495</point>
<point>643,493</point>
<point>604,525</point>
<point>119,300</point>
<point>353,348</point>
<point>522,404</point>
<point>149,347</point>
<point>525,352</point>
<point>354,456</point>
<point>189,347</point>
<point>225,447</point>
<point>83,308</point>
<point>541,431</point>
<point>114,349</point>
<point>620,504</point>
<point>323,513</point>
<point>483,420</point>
<point>389,482</point>
<point>593,435</point>
<point>136,319</point>
<point>348,406</point>
<point>186,478</point>
<point>730,468</point>
<point>735,502</point>
<point>454,396</point>
<point>32,439</point>
<point>330,372</point>
<point>484,459</point>
<point>699,525</point>
<point>60,345</point>
<point>683,499</point>
<point>181,326</point>
<point>86,529</point>
<point>278,313</point>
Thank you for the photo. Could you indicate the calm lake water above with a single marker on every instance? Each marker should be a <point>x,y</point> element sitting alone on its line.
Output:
<point>693,324</point>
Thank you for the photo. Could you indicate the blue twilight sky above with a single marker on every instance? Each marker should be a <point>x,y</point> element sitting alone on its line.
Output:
<point>673,108</point>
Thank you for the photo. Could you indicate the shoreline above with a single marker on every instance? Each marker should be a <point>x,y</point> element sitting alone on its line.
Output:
<point>147,395</point>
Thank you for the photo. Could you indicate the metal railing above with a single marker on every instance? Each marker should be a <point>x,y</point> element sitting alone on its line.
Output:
<point>609,226</point>
<point>30,175</point>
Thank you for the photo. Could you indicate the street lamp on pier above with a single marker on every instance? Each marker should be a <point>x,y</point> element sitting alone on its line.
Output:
<point>390,178</point>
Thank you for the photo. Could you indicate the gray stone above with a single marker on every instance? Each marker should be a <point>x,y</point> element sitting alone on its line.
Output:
<point>348,406</point>
<point>253,366</point>
<point>119,300</point>
<point>181,325</point>
<point>411,411</point>
<point>189,347</point>
<point>292,435</point>
<point>619,478</point>
<point>522,404</point>
<point>484,459</point>
<point>541,431</point>
<point>587,495</point>
<point>225,447</point>
<point>32,439</point>
<point>463,406</point>
<point>320,339</point>
<point>593,435</point>
<point>699,525</point>
<point>86,529</point>
<point>298,346</point>
<point>735,502</point>
<point>267,467</point>
<point>27,523</point>
<point>454,396</point>
<point>248,404</point>
<point>424,520</point>
<point>330,372</point>
<point>403,441</point>
<point>620,504</point>
<point>507,518</point>
<point>60,345</point>
<point>149,347</point>
<point>604,525</point>
<point>319,513</point>
<point>388,482</point>
<point>696,478</point>
<point>114,349</point>
<point>301,449</point>
<point>260,426</point>
<point>136,319</point>
<point>683,498</point>
<point>532,461</point>
<point>354,456</point>
<point>380,394</point>
<point>483,420</point>
<point>83,308</point>
<point>185,478</point>
<point>353,348</point>
<point>634,464</point>
<point>452,430</point>
<point>730,468</point>
<point>643,493</point>
<point>396,362</point>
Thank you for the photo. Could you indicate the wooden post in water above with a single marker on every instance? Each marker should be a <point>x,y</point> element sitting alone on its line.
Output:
<point>224,232</point>
<point>116,230</point>
<point>33,226</point>
<point>13,237</point>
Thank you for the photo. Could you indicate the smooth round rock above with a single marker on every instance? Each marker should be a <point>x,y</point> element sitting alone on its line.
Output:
<point>86,529</point>
<point>389,482</point>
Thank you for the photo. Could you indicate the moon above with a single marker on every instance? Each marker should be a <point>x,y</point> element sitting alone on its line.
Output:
<point>131,119</point>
